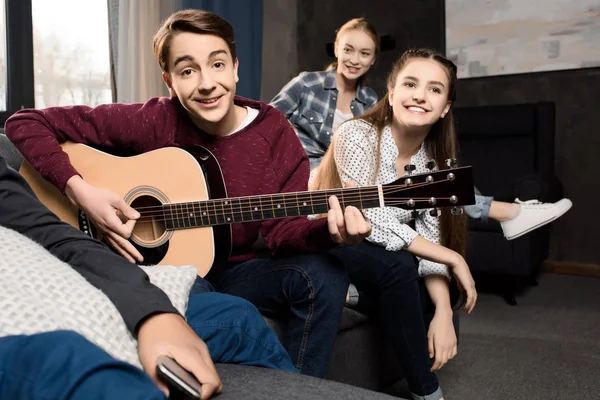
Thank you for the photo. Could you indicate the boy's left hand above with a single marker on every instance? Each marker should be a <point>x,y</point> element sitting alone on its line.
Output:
<point>347,226</point>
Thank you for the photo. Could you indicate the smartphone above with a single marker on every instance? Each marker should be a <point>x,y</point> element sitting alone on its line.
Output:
<point>178,379</point>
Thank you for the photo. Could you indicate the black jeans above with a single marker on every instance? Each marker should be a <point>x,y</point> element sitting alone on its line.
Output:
<point>390,280</point>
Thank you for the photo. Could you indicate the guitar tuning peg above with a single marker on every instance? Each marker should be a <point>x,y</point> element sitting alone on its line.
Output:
<point>409,168</point>
<point>451,162</point>
<point>434,212</point>
<point>457,211</point>
<point>430,165</point>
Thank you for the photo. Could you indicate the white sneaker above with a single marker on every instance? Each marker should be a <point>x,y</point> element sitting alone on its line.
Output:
<point>533,214</point>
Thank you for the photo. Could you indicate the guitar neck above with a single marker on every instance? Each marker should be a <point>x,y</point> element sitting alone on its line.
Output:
<point>258,208</point>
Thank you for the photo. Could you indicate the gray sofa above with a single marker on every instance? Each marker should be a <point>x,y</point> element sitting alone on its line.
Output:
<point>9,152</point>
<point>360,356</point>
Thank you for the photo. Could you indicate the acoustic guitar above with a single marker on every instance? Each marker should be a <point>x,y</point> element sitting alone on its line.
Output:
<point>186,214</point>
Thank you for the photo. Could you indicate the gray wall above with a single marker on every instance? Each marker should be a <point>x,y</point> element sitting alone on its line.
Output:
<point>295,35</point>
<point>318,21</point>
<point>296,32</point>
<point>279,60</point>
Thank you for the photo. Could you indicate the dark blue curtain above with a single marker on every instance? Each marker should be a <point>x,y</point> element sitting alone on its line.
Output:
<point>246,17</point>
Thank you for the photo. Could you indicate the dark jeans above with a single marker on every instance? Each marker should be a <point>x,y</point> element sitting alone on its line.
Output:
<point>306,292</point>
<point>390,280</point>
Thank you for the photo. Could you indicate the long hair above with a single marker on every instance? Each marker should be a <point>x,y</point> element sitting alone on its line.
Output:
<point>368,28</point>
<point>440,143</point>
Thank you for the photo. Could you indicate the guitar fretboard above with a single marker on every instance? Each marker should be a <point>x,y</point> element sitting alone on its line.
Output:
<point>258,208</point>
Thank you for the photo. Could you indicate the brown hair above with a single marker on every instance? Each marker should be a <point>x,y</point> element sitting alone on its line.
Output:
<point>440,143</point>
<point>193,21</point>
<point>366,27</point>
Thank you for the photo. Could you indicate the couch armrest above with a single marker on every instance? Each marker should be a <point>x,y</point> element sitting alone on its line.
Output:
<point>10,153</point>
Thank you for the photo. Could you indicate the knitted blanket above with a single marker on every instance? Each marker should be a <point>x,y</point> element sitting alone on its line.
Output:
<point>40,293</point>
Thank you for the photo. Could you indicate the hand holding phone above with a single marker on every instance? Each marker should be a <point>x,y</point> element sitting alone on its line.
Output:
<point>182,384</point>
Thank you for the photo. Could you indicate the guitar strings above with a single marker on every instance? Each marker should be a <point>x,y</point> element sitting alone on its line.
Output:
<point>182,213</point>
<point>193,220</point>
<point>241,214</point>
<point>311,196</point>
<point>352,193</point>
<point>149,220</point>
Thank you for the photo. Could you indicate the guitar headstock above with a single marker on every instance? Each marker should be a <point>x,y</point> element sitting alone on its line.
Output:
<point>447,188</point>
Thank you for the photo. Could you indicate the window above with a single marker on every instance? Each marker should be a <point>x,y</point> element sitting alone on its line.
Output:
<point>53,53</point>
<point>71,52</point>
<point>3,66</point>
<point>16,73</point>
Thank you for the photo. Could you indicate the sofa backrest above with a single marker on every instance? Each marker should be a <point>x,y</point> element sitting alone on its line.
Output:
<point>10,153</point>
<point>505,143</point>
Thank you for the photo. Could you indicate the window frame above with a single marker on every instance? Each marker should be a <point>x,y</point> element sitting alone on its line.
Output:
<point>20,90</point>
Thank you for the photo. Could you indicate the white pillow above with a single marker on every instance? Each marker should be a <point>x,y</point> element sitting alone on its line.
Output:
<point>40,293</point>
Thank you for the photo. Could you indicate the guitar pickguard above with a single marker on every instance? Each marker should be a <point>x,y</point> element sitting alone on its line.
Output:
<point>216,190</point>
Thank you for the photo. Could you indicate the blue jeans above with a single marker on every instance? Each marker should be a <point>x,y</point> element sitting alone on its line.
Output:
<point>305,292</point>
<point>481,209</point>
<point>63,364</point>
<point>234,331</point>
<point>390,280</point>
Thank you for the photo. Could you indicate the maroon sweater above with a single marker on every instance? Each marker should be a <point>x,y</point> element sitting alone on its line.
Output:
<point>263,158</point>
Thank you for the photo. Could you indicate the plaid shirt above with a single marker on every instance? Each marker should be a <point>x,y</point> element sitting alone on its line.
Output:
<point>309,101</point>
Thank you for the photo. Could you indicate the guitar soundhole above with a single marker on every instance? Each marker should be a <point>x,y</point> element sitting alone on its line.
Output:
<point>151,225</point>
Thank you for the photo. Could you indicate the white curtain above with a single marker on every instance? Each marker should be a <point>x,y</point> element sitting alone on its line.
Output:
<point>138,76</point>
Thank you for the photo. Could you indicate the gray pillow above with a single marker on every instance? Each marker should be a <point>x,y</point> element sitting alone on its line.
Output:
<point>40,293</point>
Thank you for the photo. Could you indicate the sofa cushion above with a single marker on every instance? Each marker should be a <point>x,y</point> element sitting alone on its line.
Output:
<point>250,383</point>
<point>40,293</point>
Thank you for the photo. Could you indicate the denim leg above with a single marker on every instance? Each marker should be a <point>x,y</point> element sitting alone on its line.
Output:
<point>201,285</point>
<point>305,292</point>
<point>391,281</point>
<point>235,332</point>
<point>63,364</point>
<point>481,209</point>
<point>437,395</point>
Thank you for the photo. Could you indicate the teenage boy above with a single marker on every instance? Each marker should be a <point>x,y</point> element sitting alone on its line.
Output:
<point>258,152</point>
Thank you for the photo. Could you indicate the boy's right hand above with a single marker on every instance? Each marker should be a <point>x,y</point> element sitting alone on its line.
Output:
<point>101,206</point>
